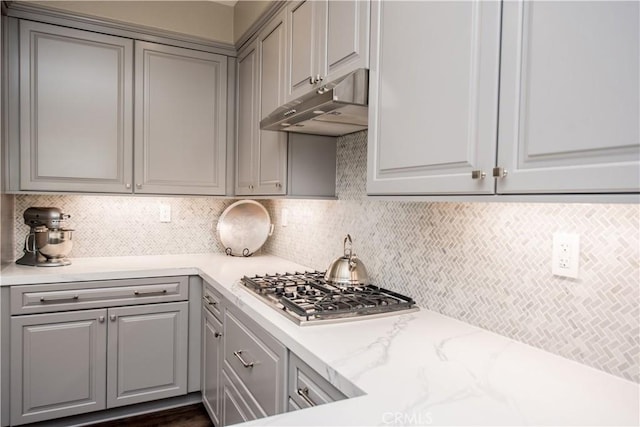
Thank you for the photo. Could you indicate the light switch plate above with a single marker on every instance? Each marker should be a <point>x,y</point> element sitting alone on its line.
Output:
<point>165,212</point>
<point>565,257</point>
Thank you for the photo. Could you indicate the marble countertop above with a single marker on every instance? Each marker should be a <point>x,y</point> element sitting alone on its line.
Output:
<point>419,368</point>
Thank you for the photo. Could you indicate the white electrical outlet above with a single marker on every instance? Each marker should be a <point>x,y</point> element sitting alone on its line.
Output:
<point>285,217</point>
<point>165,212</point>
<point>565,257</point>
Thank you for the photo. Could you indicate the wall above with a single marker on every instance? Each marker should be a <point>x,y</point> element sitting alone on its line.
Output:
<point>485,263</point>
<point>125,225</point>
<point>245,13</point>
<point>205,19</point>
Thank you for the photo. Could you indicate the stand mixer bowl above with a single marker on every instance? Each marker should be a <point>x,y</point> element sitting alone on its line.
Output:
<point>53,244</point>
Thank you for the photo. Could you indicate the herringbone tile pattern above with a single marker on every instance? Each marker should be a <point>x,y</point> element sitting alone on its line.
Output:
<point>121,226</point>
<point>488,264</point>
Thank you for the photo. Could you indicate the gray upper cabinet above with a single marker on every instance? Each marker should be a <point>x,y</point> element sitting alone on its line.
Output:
<point>180,111</point>
<point>569,97</point>
<point>433,101</point>
<point>261,156</point>
<point>547,108</point>
<point>325,40</point>
<point>75,110</point>
<point>81,129</point>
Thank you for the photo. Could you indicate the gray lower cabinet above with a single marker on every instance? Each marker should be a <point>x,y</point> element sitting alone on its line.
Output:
<point>58,365</point>
<point>308,388</point>
<point>147,353</point>
<point>255,366</point>
<point>71,362</point>
<point>211,363</point>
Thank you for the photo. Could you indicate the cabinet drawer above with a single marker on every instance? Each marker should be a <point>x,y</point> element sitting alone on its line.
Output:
<point>52,297</point>
<point>212,301</point>
<point>257,360</point>
<point>308,388</point>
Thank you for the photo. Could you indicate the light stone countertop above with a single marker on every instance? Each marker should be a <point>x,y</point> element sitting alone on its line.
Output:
<point>420,368</point>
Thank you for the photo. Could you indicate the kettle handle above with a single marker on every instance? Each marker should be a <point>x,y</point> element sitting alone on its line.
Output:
<point>348,252</point>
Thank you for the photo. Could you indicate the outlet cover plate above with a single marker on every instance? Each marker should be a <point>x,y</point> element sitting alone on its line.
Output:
<point>565,257</point>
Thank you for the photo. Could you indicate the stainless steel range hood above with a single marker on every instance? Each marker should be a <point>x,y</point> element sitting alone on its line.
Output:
<point>337,108</point>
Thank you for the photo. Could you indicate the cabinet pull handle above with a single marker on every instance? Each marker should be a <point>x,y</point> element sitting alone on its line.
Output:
<point>49,299</point>
<point>208,300</point>
<point>499,172</point>
<point>101,319</point>
<point>304,394</point>
<point>217,334</point>
<point>138,185</point>
<point>478,174</point>
<point>244,363</point>
<point>112,317</point>
<point>138,293</point>
<point>127,186</point>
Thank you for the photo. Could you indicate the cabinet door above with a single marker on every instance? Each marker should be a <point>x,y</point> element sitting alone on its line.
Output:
<point>347,39</point>
<point>147,353</point>
<point>75,110</point>
<point>303,45</point>
<point>58,365</point>
<point>272,146</point>
<point>569,97</point>
<point>247,120</point>
<point>211,365</point>
<point>234,408</point>
<point>180,107</point>
<point>433,99</point>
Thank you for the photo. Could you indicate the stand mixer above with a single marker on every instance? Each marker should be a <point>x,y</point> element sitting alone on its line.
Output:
<point>47,243</point>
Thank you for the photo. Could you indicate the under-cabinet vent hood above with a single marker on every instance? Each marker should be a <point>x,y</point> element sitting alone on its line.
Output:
<point>337,108</point>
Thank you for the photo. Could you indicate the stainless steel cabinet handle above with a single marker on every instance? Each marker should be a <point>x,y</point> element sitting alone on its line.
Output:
<point>208,300</point>
<point>138,185</point>
<point>217,334</point>
<point>112,317</point>
<point>319,78</point>
<point>312,80</point>
<point>499,172</point>
<point>478,174</point>
<point>244,362</point>
<point>138,293</point>
<point>50,299</point>
<point>101,319</point>
<point>304,394</point>
<point>251,187</point>
<point>127,186</point>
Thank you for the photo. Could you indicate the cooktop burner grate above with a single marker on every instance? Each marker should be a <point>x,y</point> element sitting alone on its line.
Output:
<point>308,297</point>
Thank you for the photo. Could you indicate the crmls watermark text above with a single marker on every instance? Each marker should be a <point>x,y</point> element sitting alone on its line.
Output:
<point>407,419</point>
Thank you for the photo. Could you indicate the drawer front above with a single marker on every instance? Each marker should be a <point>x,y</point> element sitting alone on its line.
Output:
<point>212,301</point>
<point>257,360</point>
<point>307,388</point>
<point>51,297</point>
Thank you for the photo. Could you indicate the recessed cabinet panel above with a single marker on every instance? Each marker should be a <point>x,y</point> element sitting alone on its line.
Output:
<point>433,102</point>
<point>570,97</point>
<point>247,127</point>
<point>212,366</point>
<point>303,47</point>
<point>75,110</point>
<point>347,40</point>
<point>58,365</point>
<point>147,356</point>
<point>180,120</point>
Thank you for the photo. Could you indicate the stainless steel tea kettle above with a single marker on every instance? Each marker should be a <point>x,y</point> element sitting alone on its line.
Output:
<point>348,269</point>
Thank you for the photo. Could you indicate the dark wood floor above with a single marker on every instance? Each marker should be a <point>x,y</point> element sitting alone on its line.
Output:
<point>191,416</point>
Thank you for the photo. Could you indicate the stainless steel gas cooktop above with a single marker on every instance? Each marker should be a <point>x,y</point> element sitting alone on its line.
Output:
<point>307,298</point>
